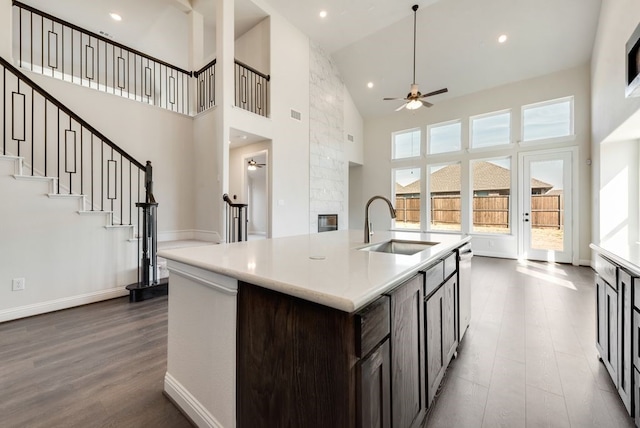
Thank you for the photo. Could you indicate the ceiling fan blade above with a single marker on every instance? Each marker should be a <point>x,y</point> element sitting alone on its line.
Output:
<point>390,99</point>
<point>401,107</point>
<point>439,91</point>
<point>426,104</point>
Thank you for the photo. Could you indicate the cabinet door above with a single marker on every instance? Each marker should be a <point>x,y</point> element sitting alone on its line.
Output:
<point>601,317</point>
<point>625,352</point>
<point>610,357</point>
<point>435,359</point>
<point>374,400</point>
<point>407,354</point>
<point>449,342</point>
<point>636,395</point>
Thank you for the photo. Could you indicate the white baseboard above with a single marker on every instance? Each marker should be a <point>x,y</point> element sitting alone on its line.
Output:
<point>188,235</point>
<point>182,398</point>
<point>175,235</point>
<point>63,303</point>
<point>207,235</point>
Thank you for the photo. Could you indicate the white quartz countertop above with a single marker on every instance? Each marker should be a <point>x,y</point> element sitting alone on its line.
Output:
<point>626,255</point>
<point>326,268</point>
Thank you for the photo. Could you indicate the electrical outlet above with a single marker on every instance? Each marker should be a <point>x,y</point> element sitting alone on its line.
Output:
<point>18,284</point>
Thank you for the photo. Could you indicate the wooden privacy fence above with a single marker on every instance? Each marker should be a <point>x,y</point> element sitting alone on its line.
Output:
<point>547,211</point>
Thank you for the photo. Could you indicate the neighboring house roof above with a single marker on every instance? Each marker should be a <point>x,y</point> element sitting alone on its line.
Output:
<point>486,176</point>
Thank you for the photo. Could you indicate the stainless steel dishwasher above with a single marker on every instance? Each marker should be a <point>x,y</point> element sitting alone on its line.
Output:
<point>464,266</point>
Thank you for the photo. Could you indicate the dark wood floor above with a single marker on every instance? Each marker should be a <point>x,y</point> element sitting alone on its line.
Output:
<point>528,359</point>
<point>100,365</point>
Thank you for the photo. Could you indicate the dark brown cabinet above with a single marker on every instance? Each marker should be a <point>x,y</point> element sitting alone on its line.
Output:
<point>374,395</point>
<point>304,364</point>
<point>373,390</point>
<point>407,354</point>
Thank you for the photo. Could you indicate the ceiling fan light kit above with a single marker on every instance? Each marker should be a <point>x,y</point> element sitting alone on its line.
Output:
<point>253,165</point>
<point>414,98</point>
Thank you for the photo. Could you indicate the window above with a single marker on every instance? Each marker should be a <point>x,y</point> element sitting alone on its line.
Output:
<point>444,197</point>
<point>493,129</point>
<point>550,119</point>
<point>491,195</point>
<point>445,137</point>
<point>407,193</point>
<point>406,144</point>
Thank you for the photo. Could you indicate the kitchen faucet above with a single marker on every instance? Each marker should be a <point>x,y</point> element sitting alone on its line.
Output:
<point>367,232</point>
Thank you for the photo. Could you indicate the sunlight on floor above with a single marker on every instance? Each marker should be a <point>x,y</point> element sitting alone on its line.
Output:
<point>534,270</point>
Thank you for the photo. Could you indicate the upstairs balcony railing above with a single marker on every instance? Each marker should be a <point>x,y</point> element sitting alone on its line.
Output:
<point>57,48</point>
<point>206,77</point>
<point>251,89</point>
<point>53,47</point>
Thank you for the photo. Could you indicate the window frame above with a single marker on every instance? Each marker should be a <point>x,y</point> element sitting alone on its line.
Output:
<point>406,131</point>
<point>512,195</point>
<point>439,124</point>
<point>427,197</point>
<point>485,115</point>
<point>421,170</point>
<point>538,141</point>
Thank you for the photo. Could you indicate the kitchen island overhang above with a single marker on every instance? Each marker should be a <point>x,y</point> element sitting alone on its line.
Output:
<point>329,269</point>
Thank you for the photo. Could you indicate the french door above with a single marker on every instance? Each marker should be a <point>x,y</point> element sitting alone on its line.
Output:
<point>545,206</point>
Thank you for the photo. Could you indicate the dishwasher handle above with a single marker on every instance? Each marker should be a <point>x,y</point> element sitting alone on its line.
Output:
<point>466,253</point>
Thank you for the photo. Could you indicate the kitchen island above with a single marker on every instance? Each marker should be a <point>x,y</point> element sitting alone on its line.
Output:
<point>311,330</point>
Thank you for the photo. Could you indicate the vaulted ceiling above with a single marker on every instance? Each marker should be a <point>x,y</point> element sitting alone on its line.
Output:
<point>372,40</point>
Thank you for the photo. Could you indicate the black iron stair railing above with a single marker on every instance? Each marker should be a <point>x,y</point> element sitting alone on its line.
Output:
<point>206,77</point>
<point>251,89</point>
<point>58,144</point>
<point>57,48</point>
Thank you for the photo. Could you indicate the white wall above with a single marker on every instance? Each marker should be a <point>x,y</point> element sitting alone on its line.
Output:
<point>610,110</point>
<point>290,147</point>
<point>353,125</point>
<point>252,48</point>
<point>619,192</point>
<point>377,143</point>
<point>206,176</point>
<point>66,259</point>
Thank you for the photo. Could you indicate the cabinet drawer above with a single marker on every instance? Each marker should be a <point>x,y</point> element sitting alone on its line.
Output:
<point>450,264</point>
<point>433,277</point>
<point>636,293</point>
<point>606,270</point>
<point>372,325</point>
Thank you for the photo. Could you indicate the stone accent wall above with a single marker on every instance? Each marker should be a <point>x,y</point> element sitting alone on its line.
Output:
<point>328,180</point>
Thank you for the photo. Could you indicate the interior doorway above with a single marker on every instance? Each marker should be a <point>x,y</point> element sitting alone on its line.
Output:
<point>256,179</point>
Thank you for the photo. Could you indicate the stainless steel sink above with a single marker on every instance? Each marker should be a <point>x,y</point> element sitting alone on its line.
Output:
<point>396,246</point>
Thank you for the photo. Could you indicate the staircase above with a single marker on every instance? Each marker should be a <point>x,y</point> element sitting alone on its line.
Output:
<point>55,155</point>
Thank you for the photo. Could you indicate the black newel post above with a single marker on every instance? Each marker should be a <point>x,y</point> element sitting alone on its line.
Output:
<point>149,232</point>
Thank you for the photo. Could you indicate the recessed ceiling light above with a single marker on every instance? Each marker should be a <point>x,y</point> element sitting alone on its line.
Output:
<point>323,14</point>
<point>502,38</point>
<point>115,16</point>
<point>370,85</point>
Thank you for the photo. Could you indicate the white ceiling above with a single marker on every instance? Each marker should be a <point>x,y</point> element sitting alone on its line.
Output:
<point>371,40</point>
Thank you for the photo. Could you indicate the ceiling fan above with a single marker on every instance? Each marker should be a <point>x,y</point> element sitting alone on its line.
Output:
<point>414,99</point>
<point>253,165</point>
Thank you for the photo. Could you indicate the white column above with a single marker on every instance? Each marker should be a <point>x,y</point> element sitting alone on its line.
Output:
<point>225,87</point>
